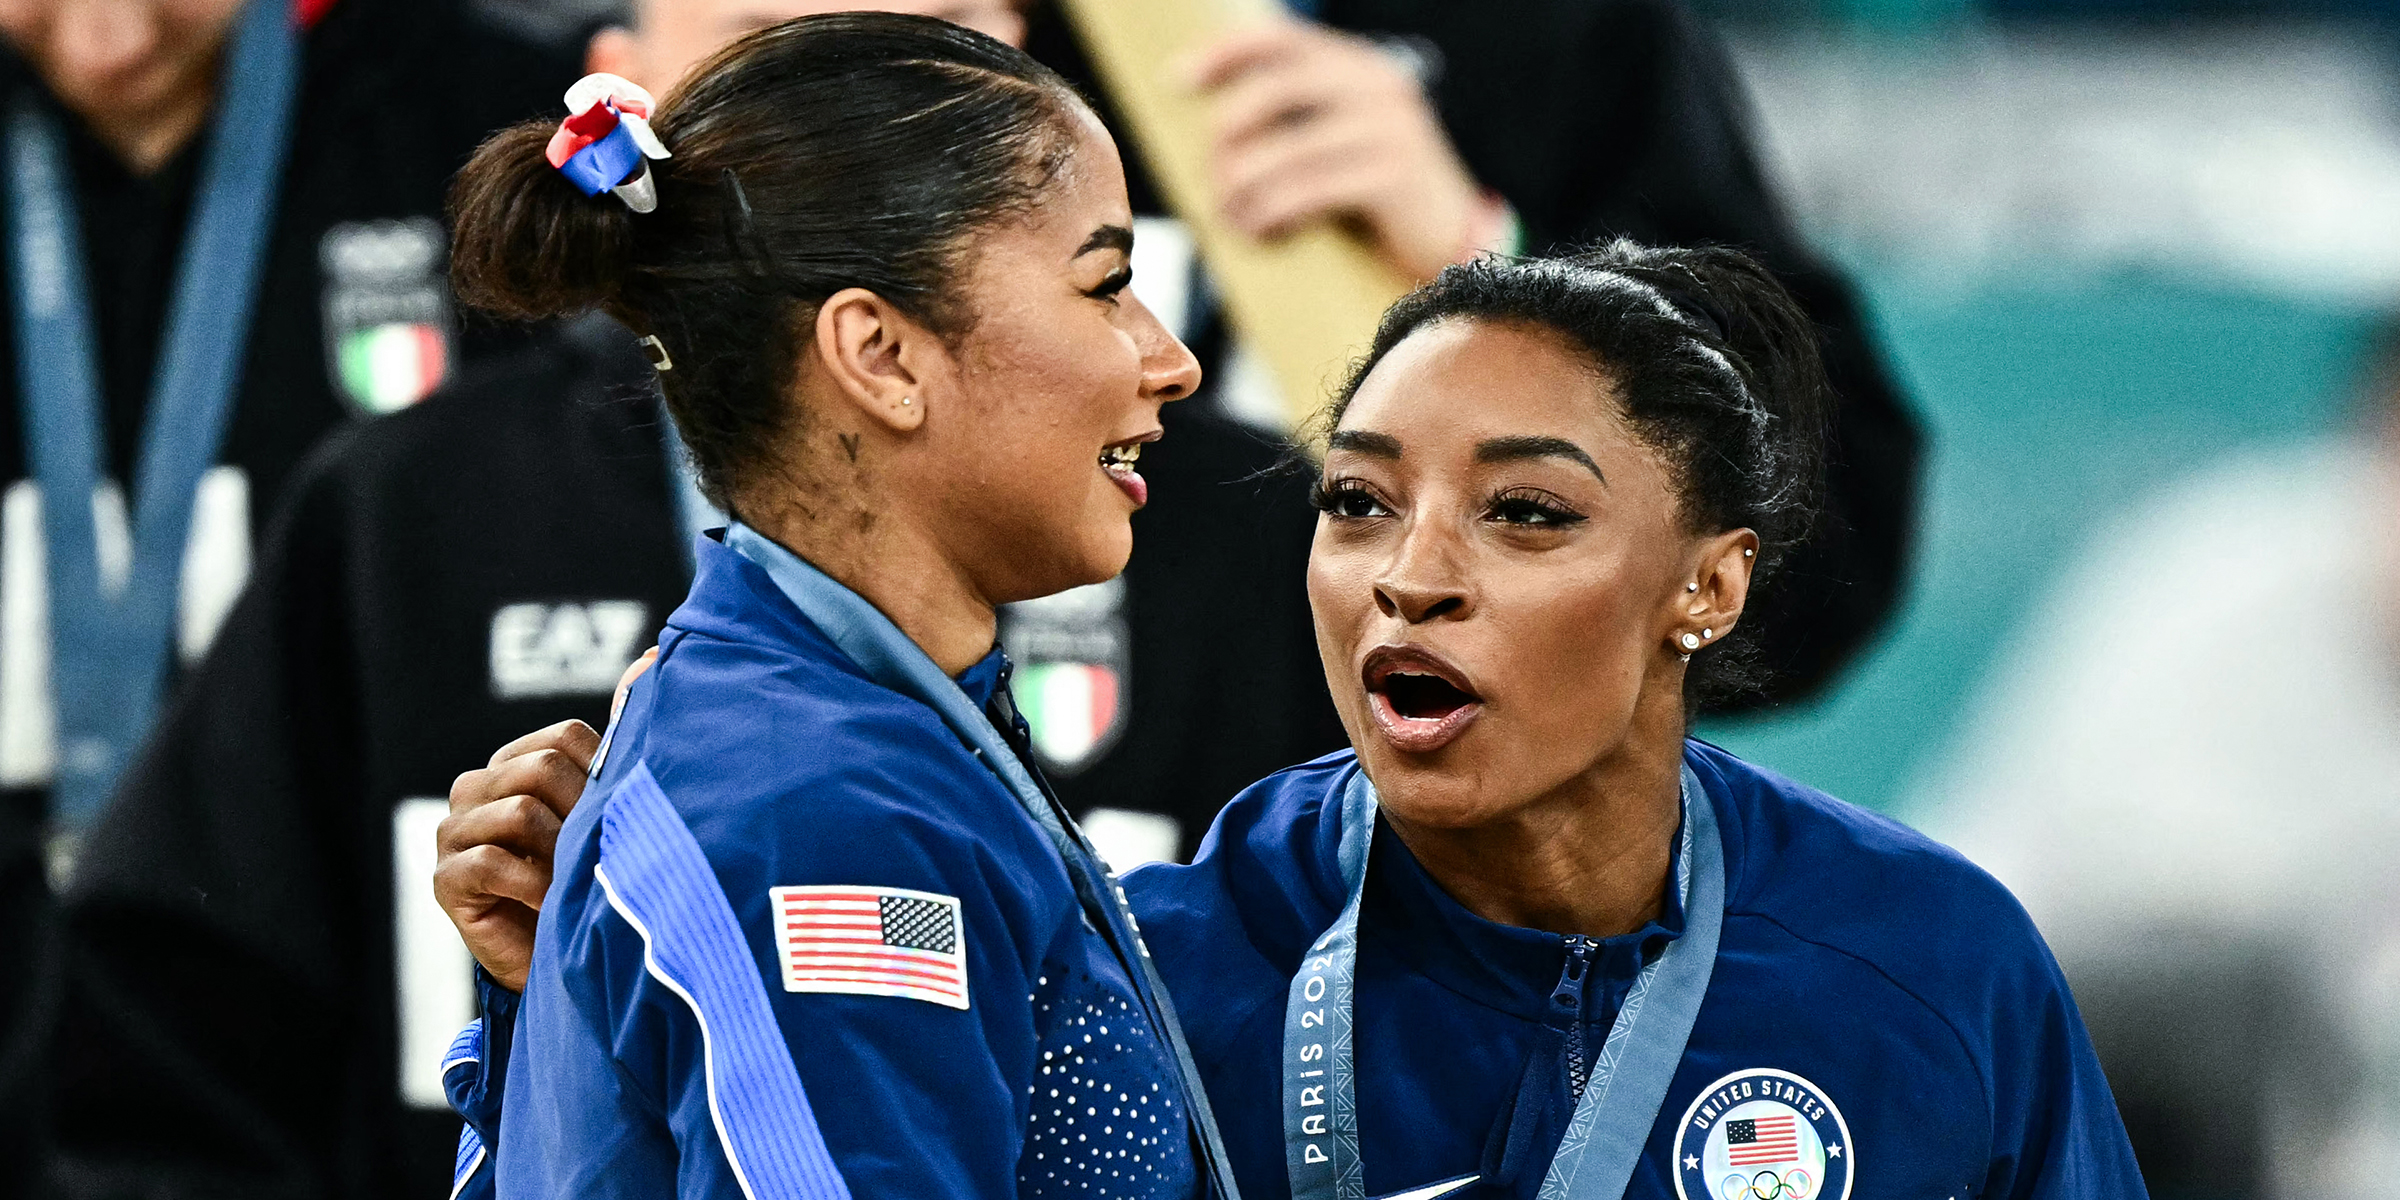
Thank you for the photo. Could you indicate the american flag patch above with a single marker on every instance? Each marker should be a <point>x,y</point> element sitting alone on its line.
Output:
<point>1756,1140</point>
<point>864,941</point>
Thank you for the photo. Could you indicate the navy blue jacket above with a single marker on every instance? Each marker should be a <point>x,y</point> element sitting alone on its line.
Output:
<point>792,768</point>
<point>1883,1020</point>
<point>1903,987</point>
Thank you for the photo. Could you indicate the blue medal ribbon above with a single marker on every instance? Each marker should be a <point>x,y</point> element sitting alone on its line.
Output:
<point>1620,1104</point>
<point>109,646</point>
<point>871,640</point>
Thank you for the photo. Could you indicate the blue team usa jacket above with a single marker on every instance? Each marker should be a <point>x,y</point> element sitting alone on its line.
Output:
<point>1882,1020</point>
<point>788,863</point>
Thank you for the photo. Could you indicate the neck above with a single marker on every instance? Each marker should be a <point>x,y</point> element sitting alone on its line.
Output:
<point>148,141</point>
<point>895,564</point>
<point>1592,857</point>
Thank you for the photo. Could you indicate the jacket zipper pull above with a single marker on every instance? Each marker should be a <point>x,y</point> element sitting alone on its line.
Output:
<point>1567,1000</point>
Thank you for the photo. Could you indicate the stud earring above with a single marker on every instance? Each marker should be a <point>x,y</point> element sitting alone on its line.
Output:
<point>1691,587</point>
<point>1691,641</point>
<point>1708,633</point>
<point>905,401</point>
<point>1749,554</point>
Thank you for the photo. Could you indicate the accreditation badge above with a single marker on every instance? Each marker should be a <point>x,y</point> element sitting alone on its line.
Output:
<point>1074,657</point>
<point>387,311</point>
<point>1763,1134</point>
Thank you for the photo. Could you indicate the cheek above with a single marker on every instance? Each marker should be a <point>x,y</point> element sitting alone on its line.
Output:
<point>1583,638</point>
<point>1069,379</point>
<point>1340,596</point>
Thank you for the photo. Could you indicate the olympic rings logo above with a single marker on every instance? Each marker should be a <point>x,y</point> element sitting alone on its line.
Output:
<point>1795,1184</point>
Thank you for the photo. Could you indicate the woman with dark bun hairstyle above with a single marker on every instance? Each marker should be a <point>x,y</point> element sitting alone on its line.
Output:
<point>1528,938</point>
<point>826,933</point>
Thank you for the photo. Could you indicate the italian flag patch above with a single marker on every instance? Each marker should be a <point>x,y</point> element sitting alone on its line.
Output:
<point>1071,707</point>
<point>389,367</point>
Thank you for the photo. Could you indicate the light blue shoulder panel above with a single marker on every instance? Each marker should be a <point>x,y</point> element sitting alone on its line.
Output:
<point>658,879</point>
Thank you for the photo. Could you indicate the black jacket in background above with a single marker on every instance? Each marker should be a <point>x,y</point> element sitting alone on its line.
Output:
<point>394,96</point>
<point>1606,118</point>
<point>231,990</point>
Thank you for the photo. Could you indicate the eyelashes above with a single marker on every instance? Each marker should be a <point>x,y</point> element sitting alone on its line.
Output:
<point>1526,507</point>
<point>1344,499</point>
<point>1117,281</point>
<point>1531,506</point>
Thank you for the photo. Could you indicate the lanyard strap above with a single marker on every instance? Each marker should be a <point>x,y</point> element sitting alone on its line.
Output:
<point>870,639</point>
<point>1612,1122</point>
<point>110,643</point>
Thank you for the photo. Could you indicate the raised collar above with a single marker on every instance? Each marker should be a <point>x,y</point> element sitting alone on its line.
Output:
<point>1504,967</point>
<point>804,607</point>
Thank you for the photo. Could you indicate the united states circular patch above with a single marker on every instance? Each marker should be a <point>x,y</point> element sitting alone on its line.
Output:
<point>1763,1134</point>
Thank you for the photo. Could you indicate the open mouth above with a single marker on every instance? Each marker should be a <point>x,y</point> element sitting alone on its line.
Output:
<point>1420,702</point>
<point>1117,460</point>
<point>1424,697</point>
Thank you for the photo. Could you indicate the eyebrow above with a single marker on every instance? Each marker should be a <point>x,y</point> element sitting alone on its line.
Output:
<point>1107,237</point>
<point>1516,449</point>
<point>1360,441</point>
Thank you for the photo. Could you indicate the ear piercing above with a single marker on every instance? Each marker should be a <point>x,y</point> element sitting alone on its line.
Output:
<point>905,401</point>
<point>1691,641</point>
<point>1748,553</point>
<point>1708,633</point>
<point>1691,587</point>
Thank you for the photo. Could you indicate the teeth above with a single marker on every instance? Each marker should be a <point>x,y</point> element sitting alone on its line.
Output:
<point>1121,456</point>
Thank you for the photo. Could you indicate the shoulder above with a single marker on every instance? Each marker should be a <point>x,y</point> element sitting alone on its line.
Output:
<point>557,403</point>
<point>792,768</point>
<point>1228,930</point>
<point>1851,882</point>
<point>1266,876</point>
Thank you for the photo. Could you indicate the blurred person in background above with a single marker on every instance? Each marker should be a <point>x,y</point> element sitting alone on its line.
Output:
<point>486,563</point>
<point>1537,126</point>
<point>439,581</point>
<point>219,238</point>
<point>2189,770</point>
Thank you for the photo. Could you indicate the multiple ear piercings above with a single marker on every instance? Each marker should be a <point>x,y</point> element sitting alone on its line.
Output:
<point>1691,641</point>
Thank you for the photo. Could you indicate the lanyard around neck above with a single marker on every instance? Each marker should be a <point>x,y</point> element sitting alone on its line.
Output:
<point>1611,1123</point>
<point>110,643</point>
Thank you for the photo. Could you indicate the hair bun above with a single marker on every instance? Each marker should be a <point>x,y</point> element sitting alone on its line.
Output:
<point>526,242</point>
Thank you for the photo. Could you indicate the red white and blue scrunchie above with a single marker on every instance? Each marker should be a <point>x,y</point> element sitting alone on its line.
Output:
<point>605,144</point>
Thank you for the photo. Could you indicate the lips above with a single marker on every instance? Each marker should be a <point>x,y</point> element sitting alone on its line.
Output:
<point>1117,461</point>
<point>1420,702</point>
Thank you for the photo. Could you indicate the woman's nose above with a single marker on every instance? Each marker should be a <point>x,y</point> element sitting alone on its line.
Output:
<point>1169,372</point>
<point>1422,584</point>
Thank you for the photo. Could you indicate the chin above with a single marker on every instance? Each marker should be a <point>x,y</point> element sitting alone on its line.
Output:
<point>1431,796</point>
<point>1449,788</point>
<point>1108,549</point>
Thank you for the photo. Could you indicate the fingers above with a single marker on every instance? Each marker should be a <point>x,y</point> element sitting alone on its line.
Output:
<point>571,737</point>
<point>1265,103</point>
<point>520,824</point>
<point>1246,50</point>
<point>1313,170</point>
<point>554,777</point>
<point>470,882</point>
